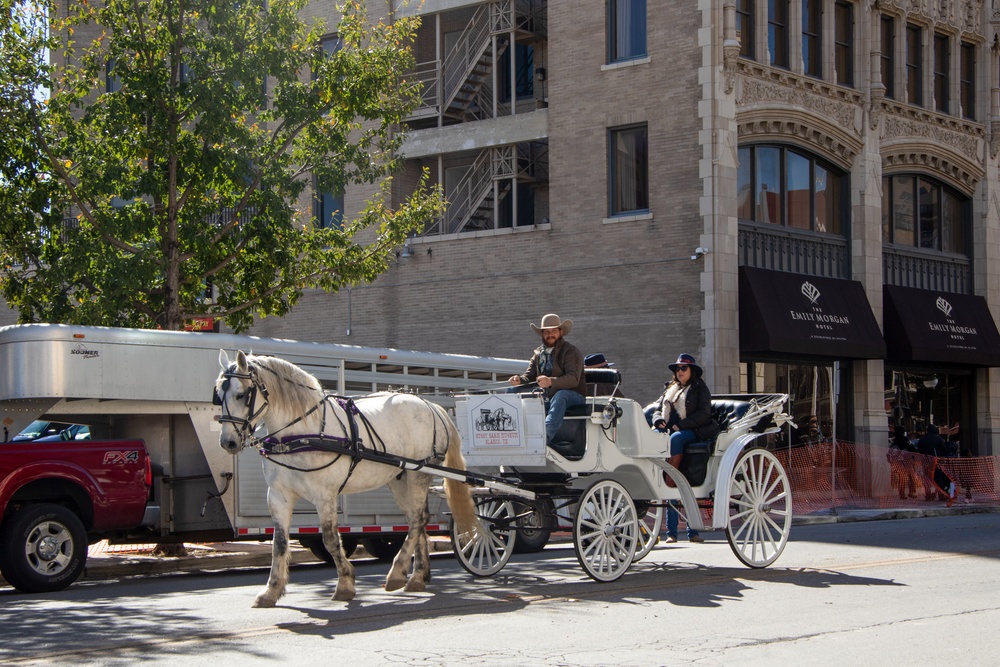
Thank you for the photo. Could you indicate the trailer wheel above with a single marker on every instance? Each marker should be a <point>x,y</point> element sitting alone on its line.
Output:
<point>534,529</point>
<point>383,548</point>
<point>43,548</point>
<point>318,549</point>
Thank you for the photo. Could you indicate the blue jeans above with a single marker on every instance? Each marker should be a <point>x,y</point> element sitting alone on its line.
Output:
<point>678,439</point>
<point>673,519</point>
<point>556,410</point>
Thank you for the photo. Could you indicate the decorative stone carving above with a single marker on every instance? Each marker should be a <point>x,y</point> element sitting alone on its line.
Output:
<point>730,55</point>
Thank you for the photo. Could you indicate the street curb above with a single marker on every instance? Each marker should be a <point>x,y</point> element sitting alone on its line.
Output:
<point>852,515</point>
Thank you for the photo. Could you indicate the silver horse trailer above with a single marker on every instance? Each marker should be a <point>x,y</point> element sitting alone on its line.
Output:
<point>157,385</point>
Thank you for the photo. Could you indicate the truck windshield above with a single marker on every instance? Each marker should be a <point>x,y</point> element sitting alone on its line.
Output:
<point>40,430</point>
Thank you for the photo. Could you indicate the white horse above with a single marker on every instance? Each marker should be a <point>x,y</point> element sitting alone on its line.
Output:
<point>300,418</point>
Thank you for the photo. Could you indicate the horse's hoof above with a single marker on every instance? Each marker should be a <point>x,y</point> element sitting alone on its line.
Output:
<point>263,602</point>
<point>343,596</point>
<point>394,584</point>
<point>415,586</point>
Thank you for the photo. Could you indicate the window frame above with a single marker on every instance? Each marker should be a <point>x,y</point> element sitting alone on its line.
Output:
<point>836,214</point>
<point>888,55</point>
<point>637,9</point>
<point>641,166</point>
<point>914,64</point>
<point>942,72</point>
<point>843,42</point>
<point>967,80</point>
<point>746,28</point>
<point>778,33</point>
<point>943,197</point>
<point>812,38</point>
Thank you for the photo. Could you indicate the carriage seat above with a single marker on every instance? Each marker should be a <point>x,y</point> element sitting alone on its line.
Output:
<point>725,411</point>
<point>603,381</point>
<point>571,438</point>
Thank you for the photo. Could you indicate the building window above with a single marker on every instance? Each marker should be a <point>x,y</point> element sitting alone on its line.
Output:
<point>812,47</point>
<point>329,210</point>
<point>914,65</point>
<point>942,78</point>
<point>629,170</point>
<point>888,57</point>
<point>777,32</point>
<point>783,186</point>
<point>843,47</point>
<point>112,83</point>
<point>745,31</point>
<point>626,29</point>
<point>524,72</point>
<point>920,212</point>
<point>967,89</point>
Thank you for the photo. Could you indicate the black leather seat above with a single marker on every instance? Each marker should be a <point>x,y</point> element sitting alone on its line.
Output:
<point>694,465</point>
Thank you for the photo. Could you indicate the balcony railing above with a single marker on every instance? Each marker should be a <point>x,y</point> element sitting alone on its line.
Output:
<point>926,269</point>
<point>782,249</point>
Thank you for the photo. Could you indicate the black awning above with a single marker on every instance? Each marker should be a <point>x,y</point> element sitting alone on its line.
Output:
<point>792,313</point>
<point>928,326</point>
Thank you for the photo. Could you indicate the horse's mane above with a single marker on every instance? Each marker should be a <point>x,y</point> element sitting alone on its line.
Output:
<point>295,390</point>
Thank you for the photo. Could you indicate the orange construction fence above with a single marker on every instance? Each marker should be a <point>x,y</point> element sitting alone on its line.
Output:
<point>858,476</point>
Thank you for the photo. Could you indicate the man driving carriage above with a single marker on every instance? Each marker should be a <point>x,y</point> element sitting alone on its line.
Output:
<point>557,368</point>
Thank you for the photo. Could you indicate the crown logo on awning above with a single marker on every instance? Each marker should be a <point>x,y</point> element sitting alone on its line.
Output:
<point>810,291</point>
<point>944,306</point>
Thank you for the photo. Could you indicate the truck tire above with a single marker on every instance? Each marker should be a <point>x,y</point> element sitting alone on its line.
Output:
<point>318,549</point>
<point>383,548</point>
<point>43,548</point>
<point>533,531</point>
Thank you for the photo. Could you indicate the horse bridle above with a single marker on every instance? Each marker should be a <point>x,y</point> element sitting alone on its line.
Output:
<point>245,426</point>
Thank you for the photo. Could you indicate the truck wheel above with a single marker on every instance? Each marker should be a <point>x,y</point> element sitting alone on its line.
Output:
<point>383,548</point>
<point>43,548</point>
<point>316,546</point>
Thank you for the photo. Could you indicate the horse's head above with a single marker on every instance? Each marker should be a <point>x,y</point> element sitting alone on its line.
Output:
<point>236,390</point>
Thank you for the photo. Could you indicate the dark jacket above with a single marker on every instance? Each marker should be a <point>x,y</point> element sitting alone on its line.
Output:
<point>697,406</point>
<point>932,444</point>
<point>567,369</point>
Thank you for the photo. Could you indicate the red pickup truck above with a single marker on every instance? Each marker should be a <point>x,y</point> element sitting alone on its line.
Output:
<point>56,498</point>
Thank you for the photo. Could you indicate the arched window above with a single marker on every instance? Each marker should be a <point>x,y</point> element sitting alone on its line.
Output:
<point>785,186</point>
<point>921,212</point>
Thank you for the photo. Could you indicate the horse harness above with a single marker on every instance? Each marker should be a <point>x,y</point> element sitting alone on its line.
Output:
<point>350,444</point>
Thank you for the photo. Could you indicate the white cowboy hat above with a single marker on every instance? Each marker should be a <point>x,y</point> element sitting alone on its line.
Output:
<point>552,321</point>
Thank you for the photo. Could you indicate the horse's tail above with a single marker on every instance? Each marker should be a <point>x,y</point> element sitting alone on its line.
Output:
<point>463,510</point>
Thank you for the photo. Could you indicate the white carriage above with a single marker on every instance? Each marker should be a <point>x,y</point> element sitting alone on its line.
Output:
<point>606,471</point>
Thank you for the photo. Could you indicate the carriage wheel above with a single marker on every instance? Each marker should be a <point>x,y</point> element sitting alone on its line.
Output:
<point>605,531</point>
<point>650,524</point>
<point>760,508</point>
<point>486,552</point>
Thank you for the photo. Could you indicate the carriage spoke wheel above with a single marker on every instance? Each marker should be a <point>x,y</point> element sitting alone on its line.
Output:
<point>605,531</point>
<point>487,550</point>
<point>650,525</point>
<point>760,508</point>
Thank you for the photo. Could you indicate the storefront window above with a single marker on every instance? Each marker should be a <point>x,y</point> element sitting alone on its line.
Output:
<point>816,416</point>
<point>916,398</point>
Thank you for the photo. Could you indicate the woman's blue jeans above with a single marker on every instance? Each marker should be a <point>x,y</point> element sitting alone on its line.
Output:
<point>679,439</point>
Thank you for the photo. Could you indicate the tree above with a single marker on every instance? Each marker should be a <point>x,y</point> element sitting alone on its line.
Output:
<point>176,152</point>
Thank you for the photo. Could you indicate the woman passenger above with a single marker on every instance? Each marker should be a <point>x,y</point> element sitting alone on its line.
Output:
<point>685,410</point>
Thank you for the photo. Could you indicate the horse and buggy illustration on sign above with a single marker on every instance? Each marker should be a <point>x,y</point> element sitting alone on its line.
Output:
<point>605,470</point>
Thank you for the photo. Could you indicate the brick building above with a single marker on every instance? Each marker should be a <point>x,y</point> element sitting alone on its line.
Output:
<point>802,193</point>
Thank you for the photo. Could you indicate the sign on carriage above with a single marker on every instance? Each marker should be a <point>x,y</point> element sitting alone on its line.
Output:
<point>501,429</point>
<point>495,422</point>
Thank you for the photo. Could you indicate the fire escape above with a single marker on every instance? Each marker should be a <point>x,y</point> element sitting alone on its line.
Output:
<point>469,85</point>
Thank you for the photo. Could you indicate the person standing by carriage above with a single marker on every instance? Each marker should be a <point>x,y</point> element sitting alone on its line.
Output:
<point>557,368</point>
<point>685,410</point>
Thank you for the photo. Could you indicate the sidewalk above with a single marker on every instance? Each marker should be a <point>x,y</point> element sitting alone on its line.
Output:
<point>233,555</point>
